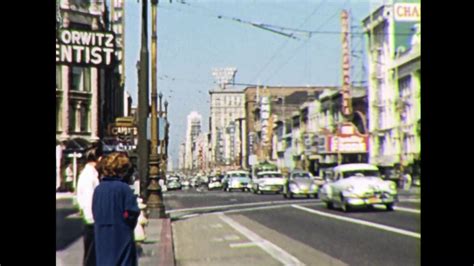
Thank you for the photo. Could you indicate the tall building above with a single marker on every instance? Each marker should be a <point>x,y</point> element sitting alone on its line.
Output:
<point>193,129</point>
<point>394,81</point>
<point>181,156</point>
<point>227,112</point>
<point>227,106</point>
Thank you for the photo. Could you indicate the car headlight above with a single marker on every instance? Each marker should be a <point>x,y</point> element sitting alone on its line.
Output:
<point>392,186</point>
<point>350,188</point>
<point>293,187</point>
<point>313,187</point>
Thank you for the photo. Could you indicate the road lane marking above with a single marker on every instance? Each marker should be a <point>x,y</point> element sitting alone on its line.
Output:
<point>272,249</point>
<point>258,208</point>
<point>243,245</point>
<point>407,210</point>
<point>362,222</point>
<point>231,237</point>
<point>240,205</point>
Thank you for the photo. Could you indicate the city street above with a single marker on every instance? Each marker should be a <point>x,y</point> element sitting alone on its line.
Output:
<point>240,228</point>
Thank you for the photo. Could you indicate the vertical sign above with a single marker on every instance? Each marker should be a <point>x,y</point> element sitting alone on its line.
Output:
<point>346,66</point>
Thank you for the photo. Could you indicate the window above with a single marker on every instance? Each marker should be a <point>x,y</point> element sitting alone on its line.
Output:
<point>80,79</point>
<point>72,118</point>
<point>58,77</point>
<point>58,114</point>
<point>84,118</point>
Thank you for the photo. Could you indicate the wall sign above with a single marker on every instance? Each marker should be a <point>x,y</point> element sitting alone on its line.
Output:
<point>85,48</point>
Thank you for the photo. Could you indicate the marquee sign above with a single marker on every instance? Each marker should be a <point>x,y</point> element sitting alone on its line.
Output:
<point>348,140</point>
<point>85,48</point>
<point>407,12</point>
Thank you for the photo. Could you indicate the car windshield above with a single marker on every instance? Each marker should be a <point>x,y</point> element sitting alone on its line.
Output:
<point>269,176</point>
<point>238,175</point>
<point>361,173</point>
<point>301,175</point>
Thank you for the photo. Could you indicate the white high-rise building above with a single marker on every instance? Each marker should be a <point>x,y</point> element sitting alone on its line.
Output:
<point>193,129</point>
<point>181,156</point>
<point>394,82</point>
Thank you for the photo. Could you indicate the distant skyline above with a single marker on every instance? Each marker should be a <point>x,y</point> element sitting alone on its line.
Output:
<point>192,40</point>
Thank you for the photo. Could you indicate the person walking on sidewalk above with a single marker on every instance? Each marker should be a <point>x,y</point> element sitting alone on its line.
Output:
<point>88,181</point>
<point>115,211</point>
<point>69,178</point>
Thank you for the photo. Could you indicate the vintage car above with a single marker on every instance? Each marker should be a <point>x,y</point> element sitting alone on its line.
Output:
<point>300,183</point>
<point>268,181</point>
<point>215,182</point>
<point>173,183</point>
<point>237,180</point>
<point>358,185</point>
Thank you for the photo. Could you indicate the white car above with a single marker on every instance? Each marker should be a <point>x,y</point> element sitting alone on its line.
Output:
<point>238,179</point>
<point>268,181</point>
<point>215,182</point>
<point>358,185</point>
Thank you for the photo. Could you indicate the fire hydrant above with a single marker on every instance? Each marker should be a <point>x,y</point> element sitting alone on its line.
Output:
<point>139,231</point>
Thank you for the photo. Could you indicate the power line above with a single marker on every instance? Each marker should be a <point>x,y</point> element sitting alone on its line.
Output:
<point>299,47</point>
<point>286,42</point>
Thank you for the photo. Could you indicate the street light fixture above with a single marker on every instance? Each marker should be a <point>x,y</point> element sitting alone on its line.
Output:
<point>155,198</point>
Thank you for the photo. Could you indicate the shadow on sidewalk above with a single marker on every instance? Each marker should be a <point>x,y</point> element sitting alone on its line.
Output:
<point>68,229</point>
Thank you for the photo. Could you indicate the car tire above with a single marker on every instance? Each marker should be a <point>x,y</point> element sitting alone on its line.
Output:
<point>316,195</point>
<point>390,206</point>
<point>344,205</point>
<point>329,205</point>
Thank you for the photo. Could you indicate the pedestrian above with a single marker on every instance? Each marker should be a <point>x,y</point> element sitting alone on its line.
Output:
<point>88,181</point>
<point>115,211</point>
<point>69,177</point>
<point>407,181</point>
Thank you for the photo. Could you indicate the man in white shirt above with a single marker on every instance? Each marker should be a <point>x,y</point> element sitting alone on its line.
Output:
<point>88,181</point>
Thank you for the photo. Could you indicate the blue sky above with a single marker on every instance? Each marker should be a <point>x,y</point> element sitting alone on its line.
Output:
<point>192,40</point>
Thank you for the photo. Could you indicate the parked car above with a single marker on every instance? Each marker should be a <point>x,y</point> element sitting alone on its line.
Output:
<point>173,183</point>
<point>300,183</point>
<point>215,182</point>
<point>237,180</point>
<point>358,185</point>
<point>268,181</point>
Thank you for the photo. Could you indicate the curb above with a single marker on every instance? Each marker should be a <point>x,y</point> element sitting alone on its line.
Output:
<point>166,252</point>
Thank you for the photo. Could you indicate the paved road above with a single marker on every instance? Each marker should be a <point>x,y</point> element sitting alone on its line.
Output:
<point>270,229</point>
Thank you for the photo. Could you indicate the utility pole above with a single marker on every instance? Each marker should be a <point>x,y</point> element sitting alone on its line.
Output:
<point>143,108</point>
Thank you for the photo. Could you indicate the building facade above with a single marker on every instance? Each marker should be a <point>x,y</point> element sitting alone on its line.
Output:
<point>193,130</point>
<point>394,71</point>
<point>86,96</point>
<point>268,109</point>
<point>227,112</point>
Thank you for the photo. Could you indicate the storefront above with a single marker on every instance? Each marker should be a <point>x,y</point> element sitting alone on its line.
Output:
<point>348,145</point>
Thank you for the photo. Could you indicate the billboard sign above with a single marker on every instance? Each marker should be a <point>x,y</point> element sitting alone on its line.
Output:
<point>85,48</point>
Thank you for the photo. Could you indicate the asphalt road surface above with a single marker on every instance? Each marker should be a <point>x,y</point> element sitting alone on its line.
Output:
<point>361,237</point>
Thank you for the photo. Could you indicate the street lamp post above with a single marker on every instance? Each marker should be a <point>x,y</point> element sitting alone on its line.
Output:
<point>143,108</point>
<point>155,199</point>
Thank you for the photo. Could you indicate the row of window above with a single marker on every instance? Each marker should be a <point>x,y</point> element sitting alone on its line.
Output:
<point>79,117</point>
<point>227,101</point>
<point>79,78</point>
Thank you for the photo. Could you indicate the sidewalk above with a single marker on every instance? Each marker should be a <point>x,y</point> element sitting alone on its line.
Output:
<point>414,191</point>
<point>150,252</point>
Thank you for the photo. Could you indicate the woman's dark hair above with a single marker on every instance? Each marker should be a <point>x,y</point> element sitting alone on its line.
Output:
<point>93,153</point>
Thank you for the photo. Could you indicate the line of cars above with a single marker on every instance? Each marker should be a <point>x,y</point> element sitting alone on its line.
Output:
<point>351,186</point>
